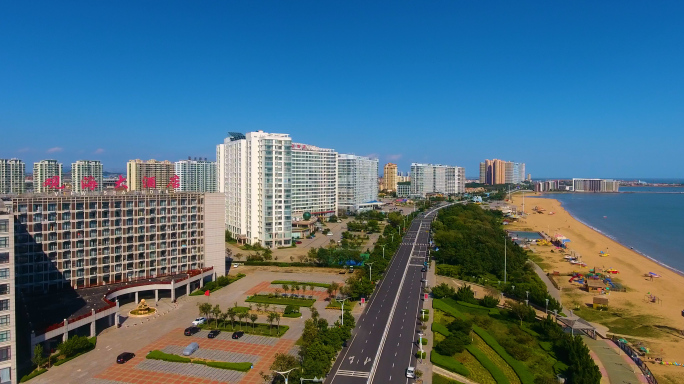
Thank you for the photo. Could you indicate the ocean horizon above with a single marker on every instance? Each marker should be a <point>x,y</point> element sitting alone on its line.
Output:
<point>648,222</point>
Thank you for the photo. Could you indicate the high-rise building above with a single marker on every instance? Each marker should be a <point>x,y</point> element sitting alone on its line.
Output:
<point>389,177</point>
<point>8,334</point>
<point>44,170</point>
<point>357,182</point>
<point>518,173</point>
<point>437,178</point>
<point>314,180</point>
<point>149,175</point>
<point>12,174</point>
<point>595,185</point>
<point>86,175</point>
<point>493,172</point>
<point>196,175</point>
<point>483,173</point>
<point>258,182</point>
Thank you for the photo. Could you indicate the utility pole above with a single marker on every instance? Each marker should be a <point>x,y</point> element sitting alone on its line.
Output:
<point>370,273</point>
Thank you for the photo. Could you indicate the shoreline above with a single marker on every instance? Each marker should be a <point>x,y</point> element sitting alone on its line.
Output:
<point>615,239</point>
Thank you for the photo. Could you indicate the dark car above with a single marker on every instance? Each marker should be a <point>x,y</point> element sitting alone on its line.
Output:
<point>424,269</point>
<point>238,334</point>
<point>213,333</point>
<point>189,331</point>
<point>124,357</point>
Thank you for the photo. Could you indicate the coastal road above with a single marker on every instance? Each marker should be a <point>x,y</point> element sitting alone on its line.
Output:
<point>385,339</point>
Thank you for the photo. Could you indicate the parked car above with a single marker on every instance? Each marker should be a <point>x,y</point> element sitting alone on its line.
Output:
<point>423,280</point>
<point>190,349</point>
<point>411,373</point>
<point>213,333</point>
<point>124,357</point>
<point>298,242</point>
<point>423,269</point>
<point>329,234</point>
<point>238,334</point>
<point>189,331</point>
<point>199,320</point>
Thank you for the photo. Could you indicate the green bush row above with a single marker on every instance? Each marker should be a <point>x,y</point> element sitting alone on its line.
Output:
<point>159,355</point>
<point>526,377</point>
<point>32,375</point>
<point>418,355</point>
<point>442,306</point>
<point>306,283</point>
<point>93,343</point>
<point>221,282</point>
<point>292,315</point>
<point>448,363</point>
<point>441,329</point>
<point>281,300</point>
<point>488,364</point>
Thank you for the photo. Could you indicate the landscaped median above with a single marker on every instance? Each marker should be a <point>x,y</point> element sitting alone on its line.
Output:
<point>159,355</point>
<point>248,328</point>
<point>300,283</point>
<point>272,299</point>
<point>334,304</point>
<point>221,282</point>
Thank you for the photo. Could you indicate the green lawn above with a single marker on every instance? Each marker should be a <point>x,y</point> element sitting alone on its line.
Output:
<point>280,300</point>
<point>437,379</point>
<point>334,304</point>
<point>300,283</point>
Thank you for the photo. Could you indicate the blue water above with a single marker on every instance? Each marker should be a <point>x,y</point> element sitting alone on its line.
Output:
<point>651,223</point>
<point>526,235</point>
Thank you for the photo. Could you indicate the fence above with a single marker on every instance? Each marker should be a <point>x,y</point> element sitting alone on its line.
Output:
<point>634,355</point>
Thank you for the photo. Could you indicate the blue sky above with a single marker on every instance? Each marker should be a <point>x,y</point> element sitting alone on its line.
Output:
<point>581,88</point>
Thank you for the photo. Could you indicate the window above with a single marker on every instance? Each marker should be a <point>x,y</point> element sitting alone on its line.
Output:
<point>4,336</point>
<point>6,375</point>
<point>5,353</point>
<point>4,225</point>
<point>4,304</point>
<point>4,242</point>
<point>4,257</point>
<point>4,320</point>
<point>4,273</point>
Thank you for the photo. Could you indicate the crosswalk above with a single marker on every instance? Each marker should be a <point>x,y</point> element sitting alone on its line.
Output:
<point>343,372</point>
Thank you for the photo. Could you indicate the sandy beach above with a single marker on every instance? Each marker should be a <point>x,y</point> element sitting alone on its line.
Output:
<point>631,314</point>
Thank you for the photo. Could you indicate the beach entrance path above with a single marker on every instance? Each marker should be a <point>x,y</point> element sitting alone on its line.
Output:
<point>549,285</point>
<point>618,366</point>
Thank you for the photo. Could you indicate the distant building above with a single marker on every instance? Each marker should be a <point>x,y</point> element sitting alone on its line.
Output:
<point>389,177</point>
<point>86,175</point>
<point>403,178</point>
<point>436,178</point>
<point>314,180</point>
<point>8,321</point>
<point>595,185</point>
<point>493,172</point>
<point>403,189</point>
<point>149,175</point>
<point>357,183</point>
<point>196,175</point>
<point>546,186</point>
<point>483,173</point>
<point>44,170</point>
<point>12,174</point>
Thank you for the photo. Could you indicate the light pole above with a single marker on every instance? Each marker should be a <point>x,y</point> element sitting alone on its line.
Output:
<point>370,271</point>
<point>528,294</point>
<point>422,310</point>
<point>547,307</point>
<point>285,374</point>
<point>420,344</point>
<point>342,307</point>
<point>393,238</point>
<point>383,248</point>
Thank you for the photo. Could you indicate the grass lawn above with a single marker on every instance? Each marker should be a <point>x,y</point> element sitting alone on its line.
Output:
<point>496,359</point>
<point>259,328</point>
<point>300,283</point>
<point>334,304</point>
<point>437,379</point>
<point>622,322</point>
<point>478,373</point>
<point>280,300</point>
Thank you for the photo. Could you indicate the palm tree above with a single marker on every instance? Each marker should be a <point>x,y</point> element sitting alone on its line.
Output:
<point>314,314</point>
<point>258,306</point>
<point>254,318</point>
<point>216,312</point>
<point>277,292</point>
<point>232,314</point>
<point>270,319</point>
<point>242,316</point>
<point>266,306</point>
<point>312,288</point>
<point>277,318</point>
<point>330,290</point>
<point>223,316</point>
<point>204,309</point>
<point>286,288</point>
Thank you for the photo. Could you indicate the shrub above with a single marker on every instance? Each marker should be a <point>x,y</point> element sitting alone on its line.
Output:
<point>32,375</point>
<point>242,367</point>
<point>450,346</point>
<point>290,309</point>
<point>421,355</point>
<point>489,301</point>
<point>441,329</point>
<point>442,290</point>
<point>448,363</point>
<point>465,293</point>
<point>159,355</point>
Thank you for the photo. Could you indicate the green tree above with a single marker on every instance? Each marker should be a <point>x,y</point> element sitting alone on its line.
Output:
<point>231,313</point>
<point>223,316</point>
<point>443,290</point>
<point>521,310</point>
<point>312,288</point>
<point>242,316</point>
<point>74,345</point>
<point>38,358</point>
<point>283,362</point>
<point>216,313</point>
<point>286,288</point>
<point>268,254</point>
<point>204,309</point>
<point>270,319</point>
<point>253,317</point>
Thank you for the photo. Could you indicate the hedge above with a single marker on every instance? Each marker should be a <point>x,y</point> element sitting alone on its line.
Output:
<point>292,315</point>
<point>424,340</point>
<point>448,363</point>
<point>526,377</point>
<point>242,367</point>
<point>290,282</point>
<point>441,329</point>
<point>418,355</point>
<point>442,306</point>
<point>93,343</point>
<point>280,300</point>
<point>159,355</point>
<point>489,365</point>
<point>32,375</point>
<point>281,264</point>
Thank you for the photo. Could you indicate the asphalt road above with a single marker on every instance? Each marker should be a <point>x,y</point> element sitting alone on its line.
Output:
<point>386,337</point>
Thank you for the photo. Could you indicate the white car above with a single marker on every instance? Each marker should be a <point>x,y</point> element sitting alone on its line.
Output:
<point>199,320</point>
<point>411,372</point>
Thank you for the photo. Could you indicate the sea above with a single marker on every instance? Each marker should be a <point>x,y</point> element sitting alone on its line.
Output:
<point>648,219</point>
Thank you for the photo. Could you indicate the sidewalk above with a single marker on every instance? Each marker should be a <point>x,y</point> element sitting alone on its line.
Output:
<point>619,368</point>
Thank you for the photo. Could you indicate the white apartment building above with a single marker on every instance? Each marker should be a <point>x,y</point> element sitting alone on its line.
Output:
<point>357,182</point>
<point>12,174</point>
<point>8,336</point>
<point>196,175</point>
<point>595,185</point>
<point>257,173</point>
<point>436,178</point>
<point>314,180</point>
<point>44,170</point>
<point>83,173</point>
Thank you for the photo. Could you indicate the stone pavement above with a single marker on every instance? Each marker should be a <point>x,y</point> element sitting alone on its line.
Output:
<point>618,366</point>
<point>213,354</point>
<point>191,370</point>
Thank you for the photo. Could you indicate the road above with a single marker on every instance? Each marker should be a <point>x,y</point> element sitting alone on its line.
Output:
<point>386,337</point>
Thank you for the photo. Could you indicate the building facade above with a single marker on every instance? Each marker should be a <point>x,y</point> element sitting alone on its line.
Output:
<point>595,185</point>
<point>403,189</point>
<point>389,177</point>
<point>258,187</point>
<point>44,170</point>
<point>357,182</point>
<point>437,178</point>
<point>12,175</point>
<point>493,172</point>
<point>93,239</point>
<point>196,175</point>
<point>149,175</point>
<point>86,175</point>
<point>314,180</point>
<point>8,336</point>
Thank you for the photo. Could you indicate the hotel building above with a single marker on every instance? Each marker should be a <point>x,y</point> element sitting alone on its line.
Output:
<point>159,171</point>
<point>83,169</point>
<point>314,180</point>
<point>389,177</point>
<point>257,176</point>
<point>357,182</point>
<point>12,176</point>
<point>8,335</point>
<point>196,175</point>
<point>44,170</point>
<point>436,178</point>
<point>595,185</point>
<point>94,239</point>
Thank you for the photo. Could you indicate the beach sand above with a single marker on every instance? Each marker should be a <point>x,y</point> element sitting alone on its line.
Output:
<point>657,325</point>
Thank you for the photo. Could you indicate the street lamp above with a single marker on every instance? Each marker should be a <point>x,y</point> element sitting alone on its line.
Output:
<point>423,310</point>
<point>547,306</point>
<point>285,374</point>
<point>370,271</point>
<point>528,294</point>
<point>420,344</point>
<point>383,248</point>
<point>342,307</point>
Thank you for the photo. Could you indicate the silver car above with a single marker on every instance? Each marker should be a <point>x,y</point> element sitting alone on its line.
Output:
<point>190,349</point>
